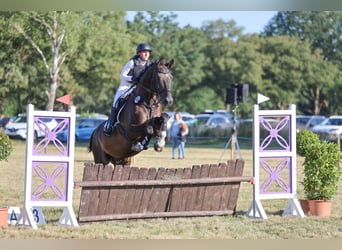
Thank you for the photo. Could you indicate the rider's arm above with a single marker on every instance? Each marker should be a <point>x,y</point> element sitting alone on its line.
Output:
<point>126,69</point>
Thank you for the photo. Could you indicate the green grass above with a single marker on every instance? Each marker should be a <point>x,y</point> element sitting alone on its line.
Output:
<point>220,227</point>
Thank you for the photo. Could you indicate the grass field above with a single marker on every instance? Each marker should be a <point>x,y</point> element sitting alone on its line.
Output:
<point>220,227</point>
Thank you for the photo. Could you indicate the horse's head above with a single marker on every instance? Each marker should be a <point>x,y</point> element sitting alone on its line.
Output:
<point>160,82</point>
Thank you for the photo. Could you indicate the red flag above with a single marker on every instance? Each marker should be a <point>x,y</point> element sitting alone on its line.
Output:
<point>65,99</point>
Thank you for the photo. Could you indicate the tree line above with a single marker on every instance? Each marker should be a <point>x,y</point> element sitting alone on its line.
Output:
<point>296,59</point>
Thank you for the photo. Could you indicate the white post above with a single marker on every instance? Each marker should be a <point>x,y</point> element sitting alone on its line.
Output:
<point>275,147</point>
<point>44,188</point>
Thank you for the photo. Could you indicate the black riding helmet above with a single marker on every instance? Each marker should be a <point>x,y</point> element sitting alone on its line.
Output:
<point>143,46</point>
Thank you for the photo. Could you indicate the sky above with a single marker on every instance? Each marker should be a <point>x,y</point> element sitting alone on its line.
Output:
<point>251,21</point>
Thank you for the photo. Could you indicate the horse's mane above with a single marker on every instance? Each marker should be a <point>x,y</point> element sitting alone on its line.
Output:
<point>152,64</point>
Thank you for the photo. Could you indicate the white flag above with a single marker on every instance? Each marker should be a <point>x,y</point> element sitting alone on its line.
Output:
<point>262,98</point>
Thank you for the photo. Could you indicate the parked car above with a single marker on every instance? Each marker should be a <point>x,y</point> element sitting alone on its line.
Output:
<point>224,112</point>
<point>17,128</point>
<point>185,117</point>
<point>83,130</point>
<point>212,121</point>
<point>6,120</point>
<point>308,121</point>
<point>330,129</point>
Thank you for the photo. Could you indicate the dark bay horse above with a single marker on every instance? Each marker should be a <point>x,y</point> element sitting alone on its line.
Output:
<point>140,119</point>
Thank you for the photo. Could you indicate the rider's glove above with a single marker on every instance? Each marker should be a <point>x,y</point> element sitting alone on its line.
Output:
<point>135,79</point>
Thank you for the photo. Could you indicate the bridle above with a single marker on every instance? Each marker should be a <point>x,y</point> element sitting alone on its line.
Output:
<point>155,89</point>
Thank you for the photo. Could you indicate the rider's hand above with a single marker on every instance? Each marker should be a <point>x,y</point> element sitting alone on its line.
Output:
<point>135,79</point>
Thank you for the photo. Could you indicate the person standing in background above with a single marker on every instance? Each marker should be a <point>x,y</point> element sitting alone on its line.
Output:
<point>176,136</point>
<point>183,131</point>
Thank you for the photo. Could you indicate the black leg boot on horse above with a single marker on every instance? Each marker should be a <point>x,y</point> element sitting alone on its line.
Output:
<point>109,125</point>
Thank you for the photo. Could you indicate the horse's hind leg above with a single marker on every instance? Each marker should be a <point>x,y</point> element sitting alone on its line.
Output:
<point>101,157</point>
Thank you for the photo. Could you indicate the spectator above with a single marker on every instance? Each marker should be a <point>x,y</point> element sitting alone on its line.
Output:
<point>176,136</point>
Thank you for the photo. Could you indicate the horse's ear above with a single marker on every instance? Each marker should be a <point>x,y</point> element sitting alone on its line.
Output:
<point>169,64</point>
<point>160,61</point>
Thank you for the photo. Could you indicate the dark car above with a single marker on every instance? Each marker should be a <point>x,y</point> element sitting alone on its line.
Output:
<point>5,120</point>
<point>83,130</point>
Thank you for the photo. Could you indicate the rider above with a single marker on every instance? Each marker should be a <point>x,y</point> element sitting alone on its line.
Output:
<point>129,77</point>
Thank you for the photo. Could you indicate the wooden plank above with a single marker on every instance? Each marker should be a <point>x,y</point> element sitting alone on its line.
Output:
<point>201,190</point>
<point>130,192</point>
<point>88,175</point>
<point>143,173</point>
<point>121,194</point>
<point>208,194</point>
<point>217,190</point>
<point>143,208</point>
<point>104,191</point>
<point>185,191</point>
<point>160,183</point>
<point>94,194</point>
<point>227,188</point>
<point>156,192</point>
<point>163,204</point>
<point>155,215</point>
<point>232,203</point>
<point>113,193</point>
<point>176,195</point>
<point>193,190</point>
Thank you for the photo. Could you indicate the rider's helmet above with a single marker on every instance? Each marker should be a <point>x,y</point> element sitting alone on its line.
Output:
<point>143,46</point>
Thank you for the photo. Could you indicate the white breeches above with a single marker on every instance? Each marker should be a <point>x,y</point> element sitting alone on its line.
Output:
<point>122,90</point>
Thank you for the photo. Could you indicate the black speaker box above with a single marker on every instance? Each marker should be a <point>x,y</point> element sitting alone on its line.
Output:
<point>231,96</point>
<point>242,92</point>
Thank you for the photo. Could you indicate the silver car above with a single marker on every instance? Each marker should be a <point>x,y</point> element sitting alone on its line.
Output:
<point>17,128</point>
<point>330,129</point>
<point>308,121</point>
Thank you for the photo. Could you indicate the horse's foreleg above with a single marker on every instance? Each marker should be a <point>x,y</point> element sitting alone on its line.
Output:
<point>160,143</point>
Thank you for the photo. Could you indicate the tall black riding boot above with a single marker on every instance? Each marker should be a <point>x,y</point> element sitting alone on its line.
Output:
<point>108,127</point>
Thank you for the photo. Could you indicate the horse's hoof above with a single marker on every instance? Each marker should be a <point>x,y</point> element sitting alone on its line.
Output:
<point>158,149</point>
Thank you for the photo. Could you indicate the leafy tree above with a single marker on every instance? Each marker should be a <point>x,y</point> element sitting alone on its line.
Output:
<point>12,79</point>
<point>322,30</point>
<point>104,47</point>
<point>231,57</point>
<point>53,35</point>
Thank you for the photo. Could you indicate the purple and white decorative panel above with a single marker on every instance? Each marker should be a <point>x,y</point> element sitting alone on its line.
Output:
<point>275,153</point>
<point>49,181</point>
<point>274,160</point>
<point>275,133</point>
<point>47,140</point>
<point>275,175</point>
<point>49,163</point>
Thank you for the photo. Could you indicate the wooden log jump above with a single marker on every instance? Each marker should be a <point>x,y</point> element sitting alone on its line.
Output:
<point>122,192</point>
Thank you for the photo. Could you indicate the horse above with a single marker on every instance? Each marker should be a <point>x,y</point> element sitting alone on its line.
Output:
<point>140,119</point>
